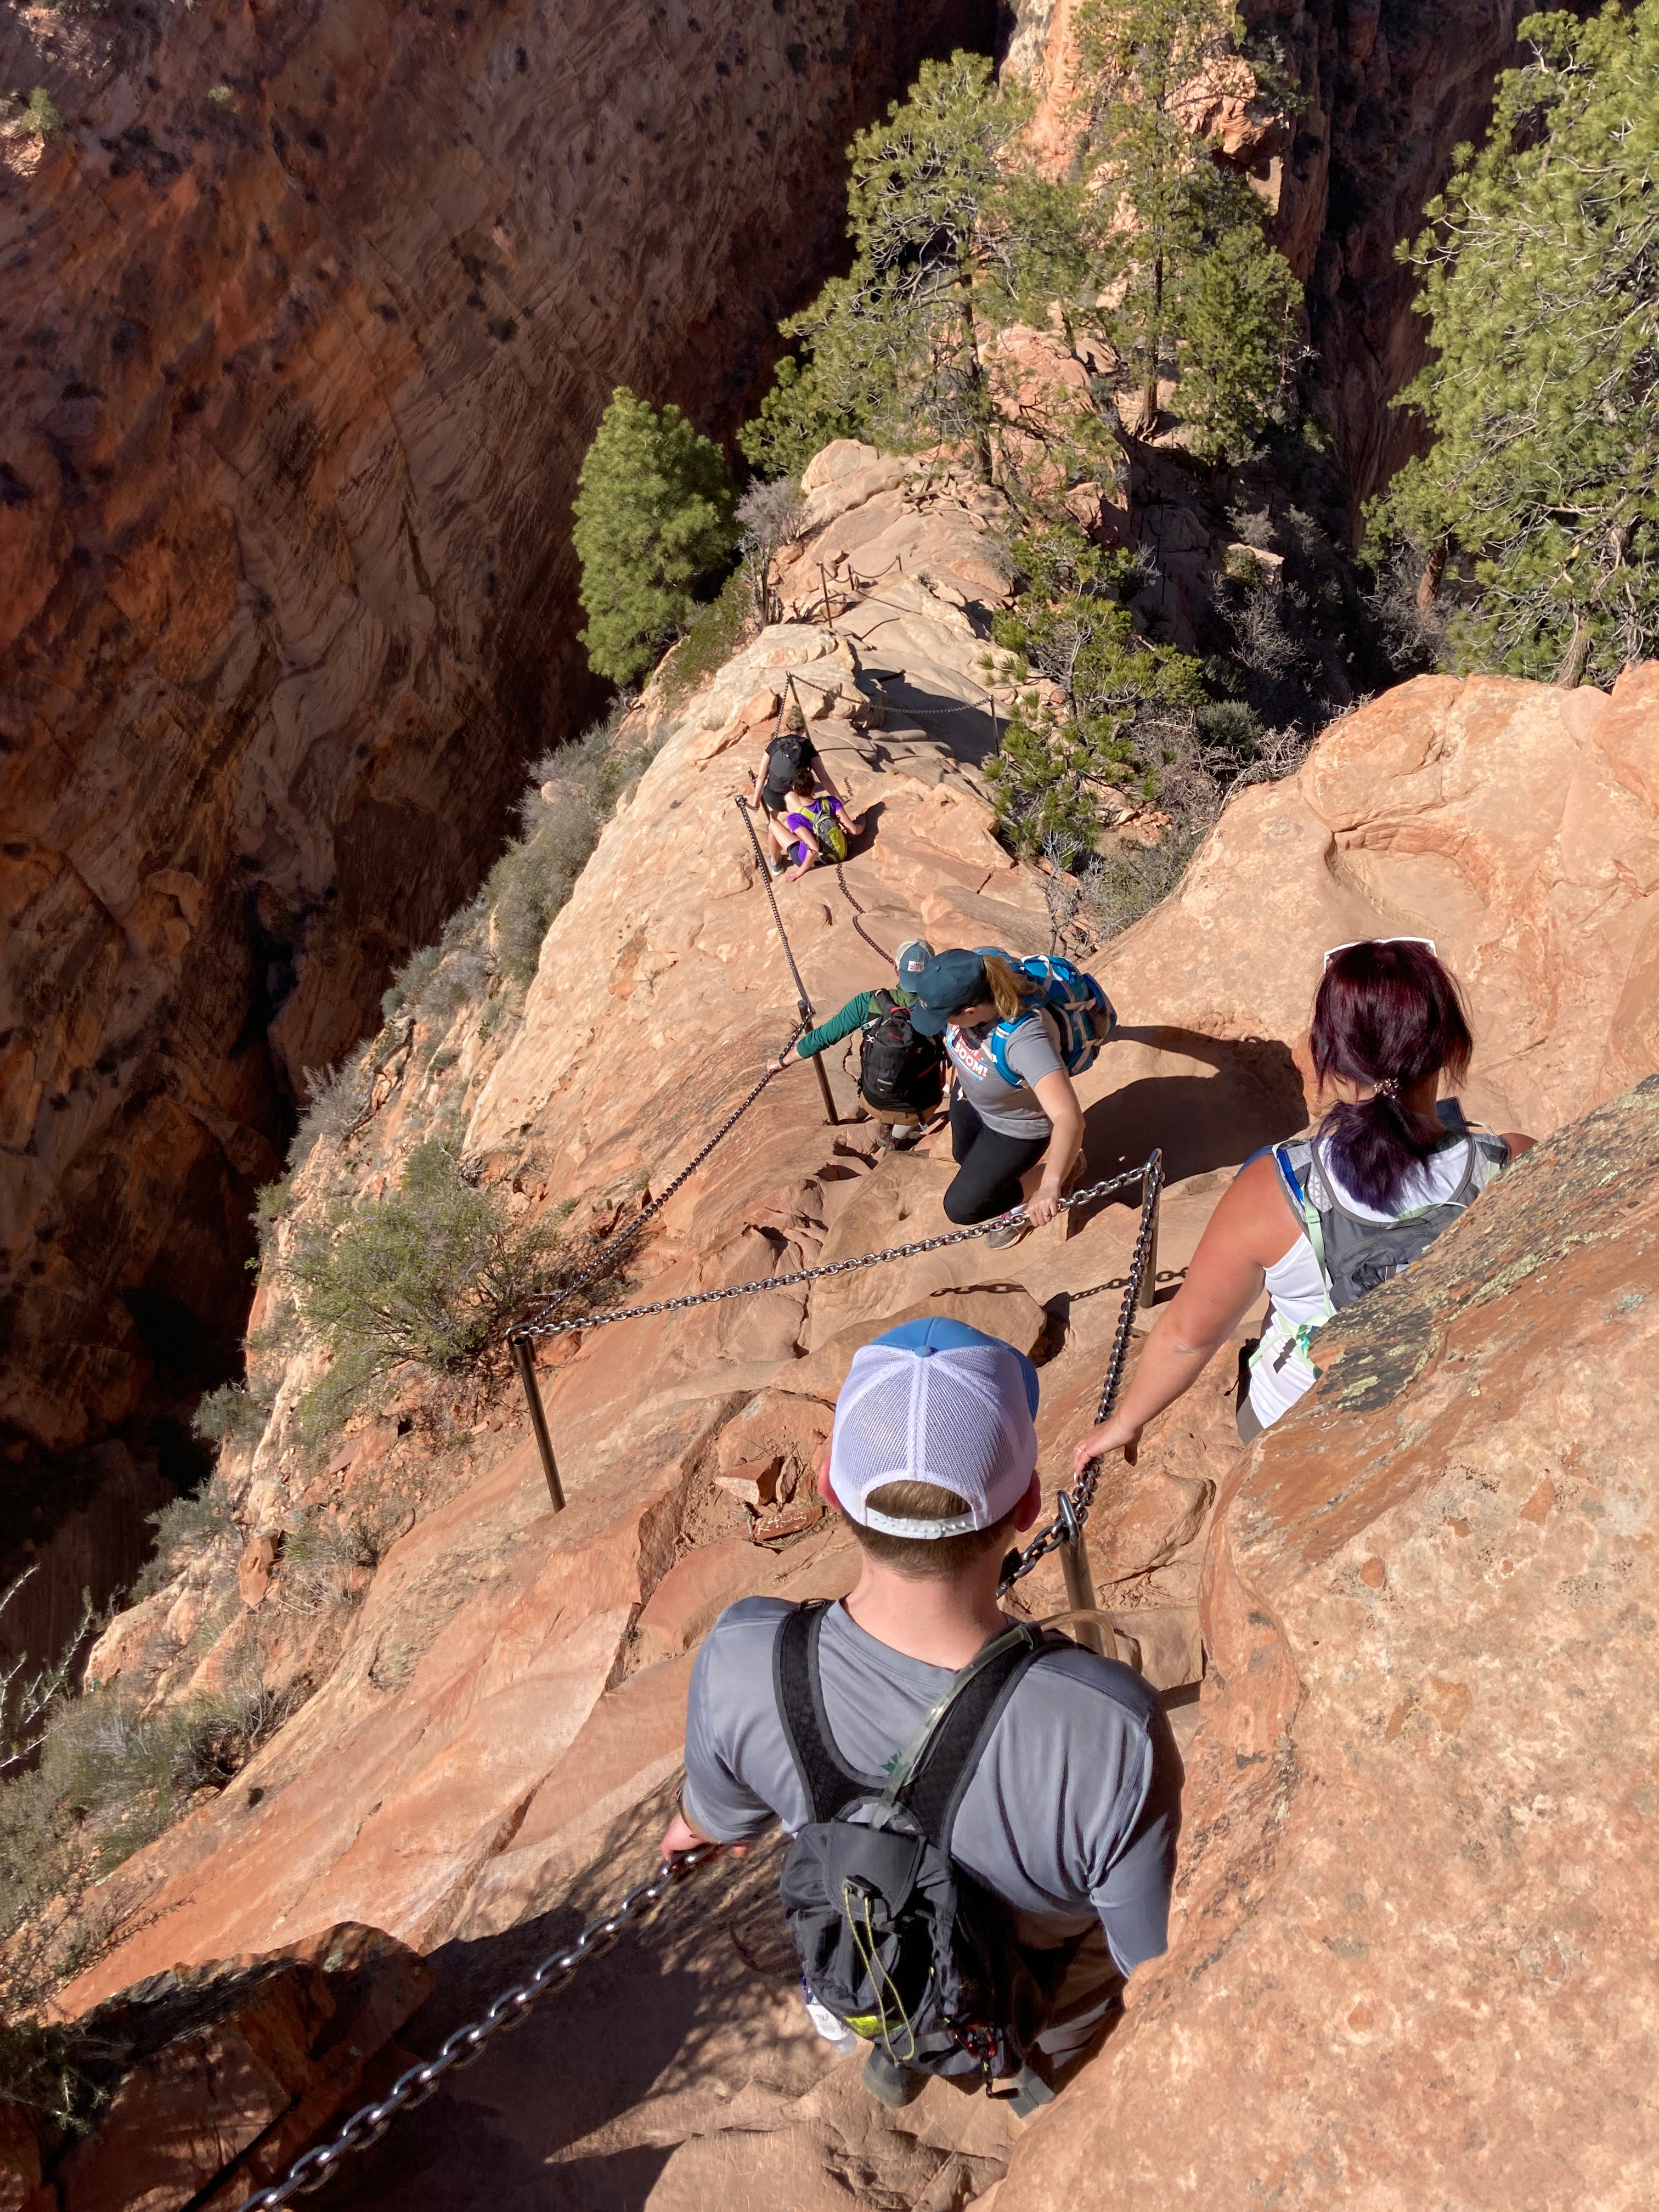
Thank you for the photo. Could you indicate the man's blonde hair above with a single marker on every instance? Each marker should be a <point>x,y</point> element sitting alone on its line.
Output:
<point>935,1558</point>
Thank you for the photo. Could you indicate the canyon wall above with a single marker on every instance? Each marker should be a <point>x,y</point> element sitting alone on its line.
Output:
<point>309,315</point>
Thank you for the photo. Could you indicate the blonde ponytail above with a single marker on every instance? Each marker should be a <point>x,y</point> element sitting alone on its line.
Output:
<point>1011,991</point>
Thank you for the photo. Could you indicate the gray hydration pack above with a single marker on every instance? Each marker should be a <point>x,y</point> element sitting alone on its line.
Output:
<point>1355,1254</point>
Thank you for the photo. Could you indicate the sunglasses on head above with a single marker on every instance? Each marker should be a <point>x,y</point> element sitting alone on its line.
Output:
<point>1353,943</point>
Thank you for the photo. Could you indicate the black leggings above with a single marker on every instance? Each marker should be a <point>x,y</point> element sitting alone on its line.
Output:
<point>991,1166</point>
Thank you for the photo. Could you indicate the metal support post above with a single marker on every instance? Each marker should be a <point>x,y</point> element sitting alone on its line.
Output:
<point>1091,1629</point>
<point>1149,1278</point>
<point>525,1360</point>
<point>829,1113</point>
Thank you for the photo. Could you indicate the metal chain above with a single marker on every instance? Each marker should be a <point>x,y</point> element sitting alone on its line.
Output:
<point>625,1236</point>
<point>801,999</point>
<point>468,2045</point>
<point>760,1283</point>
<point>1072,1507</point>
<point>858,911</point>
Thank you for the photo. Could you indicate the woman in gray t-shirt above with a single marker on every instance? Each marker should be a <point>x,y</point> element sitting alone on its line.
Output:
<point>1012,1141</point>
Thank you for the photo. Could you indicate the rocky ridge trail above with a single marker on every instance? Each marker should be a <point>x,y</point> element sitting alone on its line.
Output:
<point>491,1756</point>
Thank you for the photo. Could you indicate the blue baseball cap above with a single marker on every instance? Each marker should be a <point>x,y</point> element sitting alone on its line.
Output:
<point>949,982</point>
<point>936,1401</point>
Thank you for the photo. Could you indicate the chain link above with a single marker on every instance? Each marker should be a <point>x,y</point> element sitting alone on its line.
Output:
<point>468,2045</point>
<point>624,1236</point>
<point>760,1283</point>
<point>1072,1507</point>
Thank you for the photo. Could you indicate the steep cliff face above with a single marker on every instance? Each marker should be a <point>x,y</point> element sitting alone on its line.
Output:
<point>309,316</point>
<point>1387,89</point>
<point>492,1745</point>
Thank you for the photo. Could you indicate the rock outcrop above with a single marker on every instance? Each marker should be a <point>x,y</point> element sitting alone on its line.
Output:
<point>310,314</point>
<point>225,2074</point>
<point>491,1749</point>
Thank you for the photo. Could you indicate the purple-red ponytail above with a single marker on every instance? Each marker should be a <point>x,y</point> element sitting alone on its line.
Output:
<point>1387,1013</point>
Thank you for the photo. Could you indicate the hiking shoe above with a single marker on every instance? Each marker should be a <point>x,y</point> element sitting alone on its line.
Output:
<point>1031,2093</point>
<point>889,2083</point>
<point>1009,1233</point>
<point>885,1137</point>
<point>905,1139</point>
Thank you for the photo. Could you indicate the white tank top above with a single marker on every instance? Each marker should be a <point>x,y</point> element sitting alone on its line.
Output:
<point>1283,1373</point>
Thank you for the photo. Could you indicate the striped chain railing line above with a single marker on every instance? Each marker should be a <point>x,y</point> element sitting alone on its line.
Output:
<point>798,1275</point>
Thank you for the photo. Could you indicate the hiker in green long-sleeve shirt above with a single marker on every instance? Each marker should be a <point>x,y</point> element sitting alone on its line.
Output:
<point>900,1075</point>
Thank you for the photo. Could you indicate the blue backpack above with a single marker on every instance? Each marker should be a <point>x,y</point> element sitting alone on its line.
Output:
<point>1083,1015</point>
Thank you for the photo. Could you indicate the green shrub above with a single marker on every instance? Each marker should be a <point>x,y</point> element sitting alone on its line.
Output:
<point>40,114</point>
<point>653,521</point>
<point>797,417</point>
<point>410,981</point>
<point>335,1097</point>
<point>232,1414</point>
<point>270,1204</point>
<point>195,1521</point>
<point>1127,881</point>
<point>324,1554</point>
<point>1058,769</point>
<point>570,794</point>
<point>430,1273</point>
<point>716,632</point>
<point>461,980</point>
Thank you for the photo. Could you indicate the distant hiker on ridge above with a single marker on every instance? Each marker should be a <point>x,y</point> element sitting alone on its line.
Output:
<point>1325,1218</point>
<point>900,1075</point>
<point>980,1921</point>
<point>789,751</point>
<point>1016,1032</point>
<point>814,826</point>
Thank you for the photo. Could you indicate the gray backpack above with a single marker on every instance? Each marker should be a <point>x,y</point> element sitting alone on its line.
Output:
<point>1355,1254</point>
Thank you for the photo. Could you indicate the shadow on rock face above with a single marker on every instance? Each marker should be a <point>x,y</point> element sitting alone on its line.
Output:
<point>691,2013</point>
<point>1202,1123</point>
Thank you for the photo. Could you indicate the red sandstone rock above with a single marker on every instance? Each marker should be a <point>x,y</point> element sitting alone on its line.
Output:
<point>20,2157</point>
<point>788,1520</point>
<point>238,2065</point>
<point>253,1569</point>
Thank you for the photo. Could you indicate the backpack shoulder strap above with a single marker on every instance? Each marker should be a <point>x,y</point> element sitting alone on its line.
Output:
<point>1002,1036</point>
<point>829,1785</point>
<point>1287,1158</point>
<point>934,1791</point>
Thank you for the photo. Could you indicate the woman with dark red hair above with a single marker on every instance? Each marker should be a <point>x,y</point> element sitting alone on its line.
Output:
<point>1322,1220</point>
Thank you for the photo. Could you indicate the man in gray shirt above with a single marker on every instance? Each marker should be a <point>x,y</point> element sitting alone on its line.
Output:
<point>1072,1813</point>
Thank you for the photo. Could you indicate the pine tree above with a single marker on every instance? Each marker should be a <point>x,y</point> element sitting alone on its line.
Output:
<point>1541,268</point>
<point>1201,291</point>
<point>953,238</point>
<point>1059,766</point>
<point>653,520</point>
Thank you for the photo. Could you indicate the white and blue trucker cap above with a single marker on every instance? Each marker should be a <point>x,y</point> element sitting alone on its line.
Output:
<point>936,1401</point>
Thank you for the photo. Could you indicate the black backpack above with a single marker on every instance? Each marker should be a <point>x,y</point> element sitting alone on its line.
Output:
<point>897,1067</point>
<point>895,1941</point>
<point>783,759</point>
